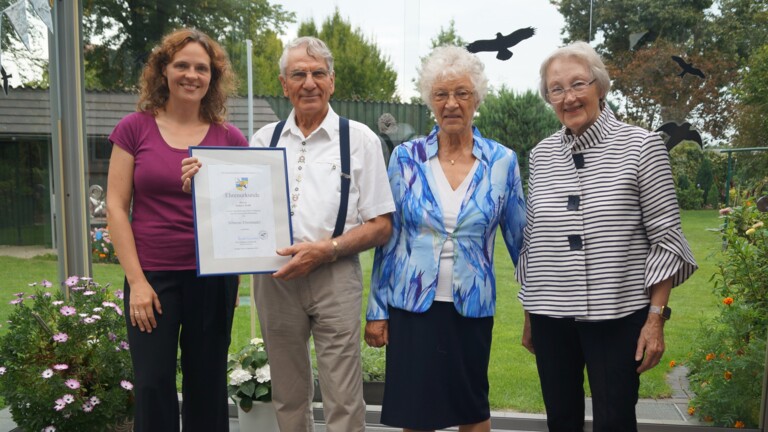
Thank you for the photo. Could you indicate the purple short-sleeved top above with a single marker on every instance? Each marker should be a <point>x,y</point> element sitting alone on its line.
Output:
<point>162,219</point>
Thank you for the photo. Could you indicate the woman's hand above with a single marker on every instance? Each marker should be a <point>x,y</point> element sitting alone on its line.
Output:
<point>527,339</point>
<point>650,345</point>
<point>189,167</point>
<point>377,333</point>
<point>143,299</point>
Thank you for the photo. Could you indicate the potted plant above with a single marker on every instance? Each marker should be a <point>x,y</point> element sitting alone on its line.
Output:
<point>250,386</point>
<point>64,360</point>
<point>374,367</point>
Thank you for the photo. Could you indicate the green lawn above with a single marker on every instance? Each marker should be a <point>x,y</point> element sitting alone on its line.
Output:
<point>514,382</point>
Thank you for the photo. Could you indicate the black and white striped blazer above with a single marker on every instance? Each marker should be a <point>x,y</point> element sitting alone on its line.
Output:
<point>603,223</point>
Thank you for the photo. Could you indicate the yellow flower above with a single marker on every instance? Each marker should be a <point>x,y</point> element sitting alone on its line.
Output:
<point>672,364</point>
<point>758,225</point>
<point>691,410</point>
<point>739,424</point>
<point>727,375</point>
<point>750,231</point>
<point>710,356</point>
<point>728,301</point>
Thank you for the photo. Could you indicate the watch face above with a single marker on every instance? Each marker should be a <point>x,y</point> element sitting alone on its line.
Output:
<point>666,312</point>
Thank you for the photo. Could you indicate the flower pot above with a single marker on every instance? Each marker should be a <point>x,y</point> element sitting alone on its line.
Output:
<point>260,418</point>
<point>373,392</point>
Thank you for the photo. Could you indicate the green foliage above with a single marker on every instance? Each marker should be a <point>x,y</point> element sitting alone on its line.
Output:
<point>65,360</point>
<point>266,51</point>
<point>690,198</point>
<point>120,35</point>
<point>362,72</point>
<point>374,363</point>
<point>518,121</point>
<point>752,121</point>
<point>249,375</point>
<point>727,365</point>
<point>713,197</point>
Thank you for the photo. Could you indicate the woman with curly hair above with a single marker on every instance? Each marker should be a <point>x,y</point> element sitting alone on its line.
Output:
<point>184,87</point>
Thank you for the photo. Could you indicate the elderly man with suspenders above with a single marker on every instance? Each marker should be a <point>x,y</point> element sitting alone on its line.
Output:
<point>340,205</point>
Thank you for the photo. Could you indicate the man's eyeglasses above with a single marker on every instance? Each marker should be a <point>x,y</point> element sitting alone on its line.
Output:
<point>578,88</point>
<point>301,76</point>
<point>460,94</point>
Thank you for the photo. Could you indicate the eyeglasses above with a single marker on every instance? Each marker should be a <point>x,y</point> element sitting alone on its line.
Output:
<point>557,94</point>
<point>301,76</point>
<point>460,94</point>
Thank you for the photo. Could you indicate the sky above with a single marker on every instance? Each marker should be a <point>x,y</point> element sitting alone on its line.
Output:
<point>403,30</point>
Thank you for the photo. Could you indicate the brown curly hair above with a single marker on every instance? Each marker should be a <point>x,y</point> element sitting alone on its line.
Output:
<point>154,87</point>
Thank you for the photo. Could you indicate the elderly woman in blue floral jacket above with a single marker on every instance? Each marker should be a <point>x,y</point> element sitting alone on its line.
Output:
<point>433,288</point>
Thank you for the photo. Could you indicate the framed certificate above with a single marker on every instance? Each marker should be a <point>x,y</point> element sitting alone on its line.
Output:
<point>240,199</point>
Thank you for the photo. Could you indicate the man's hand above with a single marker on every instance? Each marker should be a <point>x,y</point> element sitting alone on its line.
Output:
<point>306,257</point>
<point>377,333</point>
<point>189,167</point>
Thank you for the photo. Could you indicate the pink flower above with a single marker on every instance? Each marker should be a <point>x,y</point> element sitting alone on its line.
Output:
<point>126,385</point>
<point>2,370</point>
<point>19,294</point>
<point>16,301</point>
<point>49,429</point>
<point>119,294</point>
<point>61,337</point>
<point>95,401</point>
<point>68,398</point>
<point>60,405</point>
<point>61,366</point>
<point>57,302</point>
<point>87,407</point>
<point>72,383</point>
<point>124,345</point>
<point>67,310</point>
<point>47,373</point>
<point>89,320</point>
<point>46,283</point>
<point>726,211</point>
<point>89,292</point>
<point>71,281</point>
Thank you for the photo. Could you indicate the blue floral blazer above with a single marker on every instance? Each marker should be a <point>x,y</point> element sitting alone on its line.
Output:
<point>405,269</point>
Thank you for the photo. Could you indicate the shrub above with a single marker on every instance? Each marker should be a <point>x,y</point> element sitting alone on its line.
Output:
<point>64,362</point>
<point>726,368</point>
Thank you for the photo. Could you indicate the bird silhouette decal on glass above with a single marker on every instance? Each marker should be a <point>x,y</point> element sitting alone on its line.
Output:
<point>679,132</point>
<point>501,44</point>
<point>640,39</point>
<point>5,78</point>
<point>687,68</point>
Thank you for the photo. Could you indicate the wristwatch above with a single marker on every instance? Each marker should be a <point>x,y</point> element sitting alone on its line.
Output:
<point>664,311</point>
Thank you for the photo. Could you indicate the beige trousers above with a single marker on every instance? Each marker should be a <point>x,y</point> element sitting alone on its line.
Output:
<point>325,304</point>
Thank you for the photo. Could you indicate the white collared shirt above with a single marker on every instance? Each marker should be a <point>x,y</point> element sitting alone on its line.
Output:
<point>314,176</point>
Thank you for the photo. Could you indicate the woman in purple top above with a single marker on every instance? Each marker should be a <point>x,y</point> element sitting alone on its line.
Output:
<point>184,87</point>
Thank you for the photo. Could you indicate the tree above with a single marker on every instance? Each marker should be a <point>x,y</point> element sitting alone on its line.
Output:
<point>691,29</point>
<point>752,120</point>
<point>518,121</point>
<point>362,72</point>
<point>119,35</point>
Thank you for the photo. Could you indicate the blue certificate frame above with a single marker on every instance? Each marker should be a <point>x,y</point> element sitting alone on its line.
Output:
<point>241,210</point>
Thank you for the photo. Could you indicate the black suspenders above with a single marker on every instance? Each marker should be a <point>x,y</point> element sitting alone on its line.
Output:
<point>346,178</point>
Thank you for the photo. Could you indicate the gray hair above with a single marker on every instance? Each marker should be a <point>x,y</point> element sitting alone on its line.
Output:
<point>316,49</point>
<point>582,52</point>
<point>448,62</point>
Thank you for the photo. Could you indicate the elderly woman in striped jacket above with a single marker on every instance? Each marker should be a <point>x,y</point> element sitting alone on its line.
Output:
<point>603,248</point>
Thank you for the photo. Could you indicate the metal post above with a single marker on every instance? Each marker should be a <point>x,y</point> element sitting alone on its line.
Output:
<point>68,139</point>
<point>249,54</point>
<point>728,181</point>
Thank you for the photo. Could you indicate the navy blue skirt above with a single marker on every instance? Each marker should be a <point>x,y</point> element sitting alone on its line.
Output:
<point>437,369</point>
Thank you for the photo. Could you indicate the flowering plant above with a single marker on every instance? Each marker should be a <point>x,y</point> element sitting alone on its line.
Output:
<point>64,361</point>
<point>249,376</point>
<point>102,249</point>
<point>727,366</point>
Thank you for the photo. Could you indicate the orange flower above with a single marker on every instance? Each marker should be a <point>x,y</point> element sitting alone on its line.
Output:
<point>739,424</point>
<point>727,375</point>
<point>691,410</point>
<point>710,356</point>
<point>728,301</point>
<point>672,364</point>
<point>101,255</point>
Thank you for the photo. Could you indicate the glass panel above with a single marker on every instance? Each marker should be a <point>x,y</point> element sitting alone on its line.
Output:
<point>404,33</point>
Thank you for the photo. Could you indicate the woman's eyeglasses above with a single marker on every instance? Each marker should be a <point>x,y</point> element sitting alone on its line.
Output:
<point>578,88</point>
<point>460,94</point>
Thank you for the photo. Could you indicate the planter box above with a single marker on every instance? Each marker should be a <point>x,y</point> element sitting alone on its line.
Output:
<point>373,392</point>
